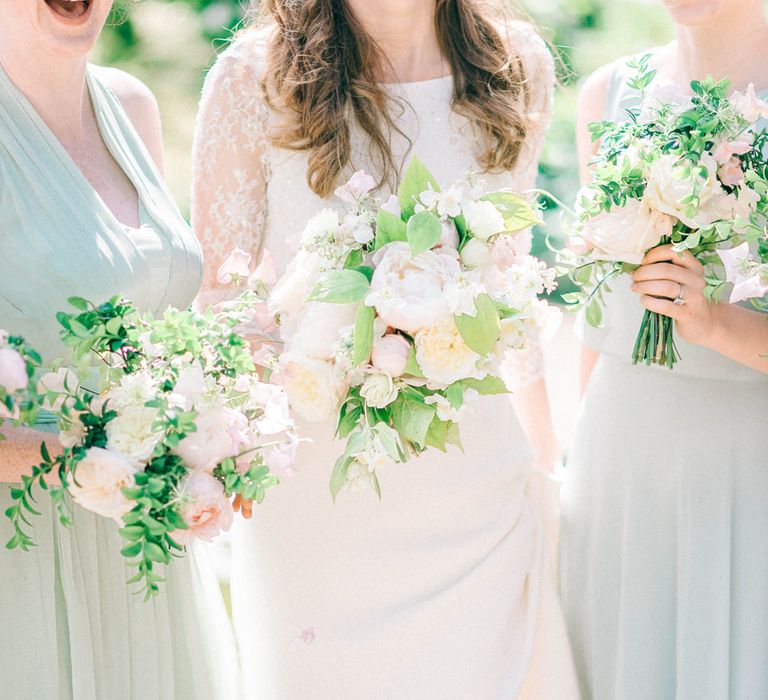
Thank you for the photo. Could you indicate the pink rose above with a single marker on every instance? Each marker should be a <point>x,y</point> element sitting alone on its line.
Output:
<point>390,354</point>
<point>13,370</point>
<point>204,508</point>
<point>730,172</point>
<point>235,267</point>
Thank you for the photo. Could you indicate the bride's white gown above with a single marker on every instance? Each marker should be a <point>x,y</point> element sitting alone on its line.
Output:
<point>443,589</point>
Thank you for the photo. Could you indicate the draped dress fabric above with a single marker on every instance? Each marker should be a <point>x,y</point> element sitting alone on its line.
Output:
<point>71,626</point>
<point>664,539</point>
<point>441,589</point>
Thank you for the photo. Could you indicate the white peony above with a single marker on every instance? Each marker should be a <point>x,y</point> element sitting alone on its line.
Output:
<point>668,187</point>
<point>407,292</point>
<point>221,432</point>
<point>483,219</point>
<point>131,432</point>
<point>314,390</point>
<point>13,370</point>
<point>378,389</point>
<point>320,327</point>
<point>443,355</point>
<point>625,233</point>
<point>99,479</point>
<point>390,354</point>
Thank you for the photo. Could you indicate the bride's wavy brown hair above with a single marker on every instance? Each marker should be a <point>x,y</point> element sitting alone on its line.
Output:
<point>322,67</point>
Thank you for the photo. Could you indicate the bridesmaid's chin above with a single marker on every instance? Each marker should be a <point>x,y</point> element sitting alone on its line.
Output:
<point>72,26</point>
<point>695,13</point>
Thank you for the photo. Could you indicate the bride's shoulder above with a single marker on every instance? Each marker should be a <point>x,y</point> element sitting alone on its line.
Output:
<point>242,62</point>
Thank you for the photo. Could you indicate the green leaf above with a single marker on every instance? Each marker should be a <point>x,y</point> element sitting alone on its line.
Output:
<point>487,386</point>
<point>518,214</point>
<point>339,475</point>
<point>594,314</point>
<point>423,232</point>
<point>412,366</point>
<point>131,550</point>
<point>340,287</point>
<point>154,552</point>
<point>412,419</point>
<point>389,228</point>
<point>455,395</point>
<point>78,303</point>
<point>436,433</point>
<point>452,436</point>
<point>354,259</point>
<point>363,342</point>
<point>417,179</point>
<point>480,332</point>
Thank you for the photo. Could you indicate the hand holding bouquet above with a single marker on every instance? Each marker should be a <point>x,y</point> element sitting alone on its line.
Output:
<point>687,170</point>
<point>395,316</point>
<point>180,423</point>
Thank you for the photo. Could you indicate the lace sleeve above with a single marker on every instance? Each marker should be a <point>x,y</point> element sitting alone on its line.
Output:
<point>525,367</point>
<point>230,162</point>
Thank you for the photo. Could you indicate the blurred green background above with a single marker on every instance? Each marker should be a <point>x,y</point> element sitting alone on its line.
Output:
<point>169,44</point>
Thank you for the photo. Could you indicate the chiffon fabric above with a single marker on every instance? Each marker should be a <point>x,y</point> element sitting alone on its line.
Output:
<point>443,589</point>
<point>72,628</point>
<point>664,539</point>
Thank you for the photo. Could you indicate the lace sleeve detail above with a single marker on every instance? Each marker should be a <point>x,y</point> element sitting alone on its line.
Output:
<point>230,161</point>
<point>525,367</point>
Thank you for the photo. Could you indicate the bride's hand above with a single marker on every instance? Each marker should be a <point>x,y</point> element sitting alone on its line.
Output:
<point>666,275</point>
<point>245,507</point>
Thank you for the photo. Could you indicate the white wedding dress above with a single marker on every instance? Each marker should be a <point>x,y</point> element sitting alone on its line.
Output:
<point>443,589</point>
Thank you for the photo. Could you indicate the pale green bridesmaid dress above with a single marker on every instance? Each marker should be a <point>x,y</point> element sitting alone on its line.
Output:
<point>664,538</point>
<point>69,624</point>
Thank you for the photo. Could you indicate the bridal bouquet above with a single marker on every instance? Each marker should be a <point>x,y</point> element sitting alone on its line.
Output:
<point>181,422</point>
<point>395,316</point>
<point>687,170</point>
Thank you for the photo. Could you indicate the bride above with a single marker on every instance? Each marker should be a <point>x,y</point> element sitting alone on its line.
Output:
<point>442,589</point>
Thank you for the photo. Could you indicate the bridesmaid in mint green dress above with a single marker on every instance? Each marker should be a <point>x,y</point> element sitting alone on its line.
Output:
<point>92,219</point>
<point>664,540</point>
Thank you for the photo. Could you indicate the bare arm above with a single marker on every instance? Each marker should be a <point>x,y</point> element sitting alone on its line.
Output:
<point>591,108</point>
<point>20,451</point>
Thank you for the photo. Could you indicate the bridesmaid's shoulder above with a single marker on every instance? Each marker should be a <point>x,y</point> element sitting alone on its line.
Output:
<point>139,104</point>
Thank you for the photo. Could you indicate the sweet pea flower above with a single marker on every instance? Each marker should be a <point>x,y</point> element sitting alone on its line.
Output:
<point>235,267</point>
<point>204,508</point>
<point>13,370</point>
<point>265,272</point>
<point>731,172</point>
<point>727,149</point>
<point>751,107</point>
<point>747,282</point>
<point>357,187</point>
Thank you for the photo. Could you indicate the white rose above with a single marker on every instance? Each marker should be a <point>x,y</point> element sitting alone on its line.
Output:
<point>443,355</point>
<point>625,233</point>
<point>378,390</point>
<point>313,387</point>
<point>13,370</point>
<point>667,187</point>
<point>99,479</point>
<point>133,390</point>
<point>220,433</point>
<point>483,219</point>
<point>320,327</point>
<point>407,292</point>
<point>476,254</point>
<point>131,433</point>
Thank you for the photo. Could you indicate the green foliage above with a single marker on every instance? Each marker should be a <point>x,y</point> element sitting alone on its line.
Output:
<point>340,287</point>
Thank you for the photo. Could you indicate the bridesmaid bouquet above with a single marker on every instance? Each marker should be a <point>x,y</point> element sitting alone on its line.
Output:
<point>395,316</point>
<point>684,169</point>
<point>180,424</point>
<point>748,273</point>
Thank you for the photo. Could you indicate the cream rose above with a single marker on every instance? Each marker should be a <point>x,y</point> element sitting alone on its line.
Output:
<point>99,479</point>
<point>378,390</point>
<point>407,292</point>
<point>443,355</point>
<point>312,384</point>
<point>205,508</point>
<point>131,433</point>
<point>625,233</point>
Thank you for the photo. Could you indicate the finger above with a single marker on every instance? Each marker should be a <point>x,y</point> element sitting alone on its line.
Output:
<point>665,253</point>
<point>667,271</point>
<point>659,288</point>
<point>662,306</point>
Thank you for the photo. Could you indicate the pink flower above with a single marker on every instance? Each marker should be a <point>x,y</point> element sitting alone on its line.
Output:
<point>730,172</point>
<point>751,107</point>
<point>359,185</point>
<point>390,354</point>
<point>449,236</point>
<point>743,274</point>
<point>220,434</point>
<point>578,245</point>
<point>280,458</point>
<point>204,508</point>
<point>727,149</point>
<point>235,267</point>
<point>266,272</point>
<point>505,250</point>
<point>13,370</point>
